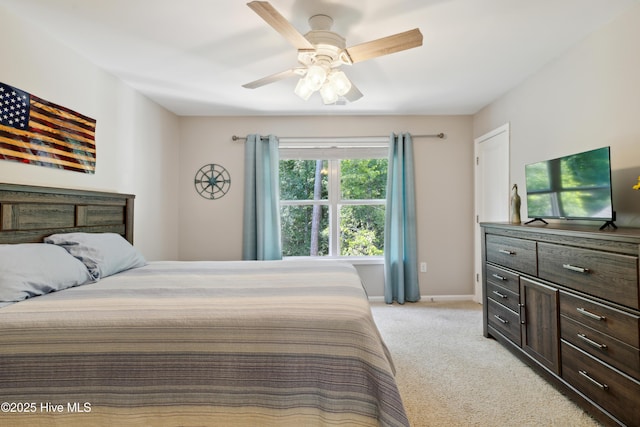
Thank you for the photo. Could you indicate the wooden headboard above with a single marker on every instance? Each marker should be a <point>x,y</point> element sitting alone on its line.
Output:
<point>29,213</point>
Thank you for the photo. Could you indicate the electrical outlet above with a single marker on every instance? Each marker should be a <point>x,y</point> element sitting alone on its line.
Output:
<point>423,267</point>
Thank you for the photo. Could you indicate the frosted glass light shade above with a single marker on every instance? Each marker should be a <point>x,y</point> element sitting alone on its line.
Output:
<point>316,75</point>
<point>340,82</point>
<point>328,93</point>
<point>303,90</point>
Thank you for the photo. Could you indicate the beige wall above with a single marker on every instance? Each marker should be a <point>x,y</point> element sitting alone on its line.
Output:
<point>585,99</point>
<point>136,140</point>
<point>212,229</point>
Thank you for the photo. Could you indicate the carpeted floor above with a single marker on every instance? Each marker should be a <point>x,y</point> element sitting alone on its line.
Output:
<point>450,375</point>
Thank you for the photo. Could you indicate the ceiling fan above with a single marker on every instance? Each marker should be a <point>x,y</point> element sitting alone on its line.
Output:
<point>321,52</point>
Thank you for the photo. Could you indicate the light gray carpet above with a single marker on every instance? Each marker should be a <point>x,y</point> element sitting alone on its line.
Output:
<point>450,375</point>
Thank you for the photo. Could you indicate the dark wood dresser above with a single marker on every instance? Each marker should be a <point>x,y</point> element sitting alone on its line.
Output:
<point>566,300</point>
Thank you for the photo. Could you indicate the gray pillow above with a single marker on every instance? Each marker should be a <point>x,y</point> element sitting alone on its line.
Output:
<point>103,254</point>
<point>32,269</point>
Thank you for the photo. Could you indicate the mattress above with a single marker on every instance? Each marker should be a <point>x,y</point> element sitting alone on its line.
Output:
<point>237,343</point>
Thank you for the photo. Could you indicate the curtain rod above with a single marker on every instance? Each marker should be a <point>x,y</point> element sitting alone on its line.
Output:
<point>340,138</point>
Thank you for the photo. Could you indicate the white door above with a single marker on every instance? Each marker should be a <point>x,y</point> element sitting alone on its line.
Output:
<point>492,190</point>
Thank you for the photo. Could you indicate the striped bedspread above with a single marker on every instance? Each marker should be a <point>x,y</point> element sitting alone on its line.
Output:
<point>257,343</point>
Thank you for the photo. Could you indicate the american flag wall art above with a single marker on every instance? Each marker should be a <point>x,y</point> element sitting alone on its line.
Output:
<point>39,132</point>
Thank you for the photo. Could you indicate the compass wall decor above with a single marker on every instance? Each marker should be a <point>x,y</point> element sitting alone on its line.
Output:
<point>212,181</point>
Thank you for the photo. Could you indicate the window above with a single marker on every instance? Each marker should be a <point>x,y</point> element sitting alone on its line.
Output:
<point>333,201</point>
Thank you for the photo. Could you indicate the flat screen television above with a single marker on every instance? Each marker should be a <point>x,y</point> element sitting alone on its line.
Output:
<point>577,186</point>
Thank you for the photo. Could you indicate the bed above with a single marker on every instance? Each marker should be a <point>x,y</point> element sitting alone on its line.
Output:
<point>233,343</point>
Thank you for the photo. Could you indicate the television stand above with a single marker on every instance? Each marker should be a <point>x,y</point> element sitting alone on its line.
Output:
<point>609,224</point>
<point>536,219</point>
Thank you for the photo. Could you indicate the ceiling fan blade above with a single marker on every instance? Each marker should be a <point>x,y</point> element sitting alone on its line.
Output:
<point>384,46</point>
<point>280,24</point>
<point>274,78</point>
<point>354,94</point>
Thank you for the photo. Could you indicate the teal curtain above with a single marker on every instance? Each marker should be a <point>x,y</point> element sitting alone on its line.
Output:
<point>400,241</point>
<point>261,220</point>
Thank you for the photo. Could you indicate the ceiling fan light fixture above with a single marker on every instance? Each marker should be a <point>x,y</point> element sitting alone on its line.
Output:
<point>321,51</point>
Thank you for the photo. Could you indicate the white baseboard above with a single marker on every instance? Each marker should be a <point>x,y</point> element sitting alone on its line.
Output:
<point>432,298</point>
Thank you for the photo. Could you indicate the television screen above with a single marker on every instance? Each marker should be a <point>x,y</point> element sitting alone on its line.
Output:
<point>577,186</point>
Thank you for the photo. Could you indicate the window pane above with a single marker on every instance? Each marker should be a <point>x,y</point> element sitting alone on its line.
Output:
<point>363,179</point>
<point>586,203</point>
<point>362,230</point>
<point>543,204</point>
<point>298,180</point>
<point>586,170</point>
<point>538,177</point>
<point>305,230</point>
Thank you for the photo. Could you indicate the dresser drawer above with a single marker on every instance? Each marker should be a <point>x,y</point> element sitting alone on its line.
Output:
<point>606,275</point>
<point>614,391</point>
<point>608,349</point>
<point>503,296</point>
<point>607,320</point>
<point>503,278</point>
<point>517,254</point>
<point>504,320</point>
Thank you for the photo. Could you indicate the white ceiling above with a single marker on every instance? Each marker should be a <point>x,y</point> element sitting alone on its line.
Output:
<point>193,56</point>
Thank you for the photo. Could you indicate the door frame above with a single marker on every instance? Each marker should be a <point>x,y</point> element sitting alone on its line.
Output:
<point>479,197</point>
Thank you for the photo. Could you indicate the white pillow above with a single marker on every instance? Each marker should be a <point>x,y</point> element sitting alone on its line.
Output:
<point>31,269</point>
<point>103,254</point>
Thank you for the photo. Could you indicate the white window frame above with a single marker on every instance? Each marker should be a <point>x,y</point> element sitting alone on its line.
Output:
<point>333,151</point>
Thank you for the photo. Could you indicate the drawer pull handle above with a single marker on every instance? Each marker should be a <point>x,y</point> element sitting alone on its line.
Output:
<point>575,268</point>
<point>499,294</point>
<point>499,277</point>
<point>589,314</point>
<point>592,343</point>
<point>594,382</point>
<point>501,319</point>
<point>504,251</point>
